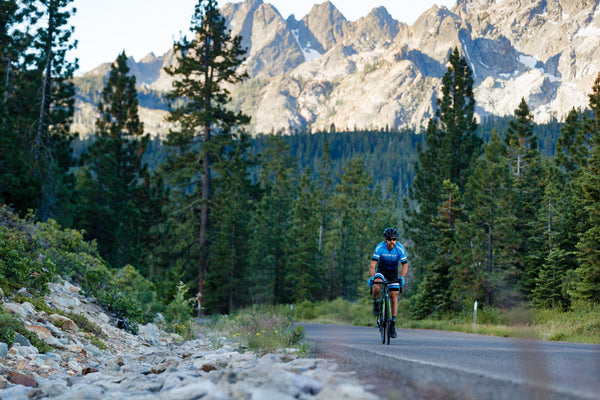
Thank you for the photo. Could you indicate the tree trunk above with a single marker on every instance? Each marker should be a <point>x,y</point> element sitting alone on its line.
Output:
<point>490,252</point>
<point>37,143</point>
<point>204,221</point>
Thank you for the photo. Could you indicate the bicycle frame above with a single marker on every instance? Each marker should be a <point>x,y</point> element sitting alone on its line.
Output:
<point>384,319</point>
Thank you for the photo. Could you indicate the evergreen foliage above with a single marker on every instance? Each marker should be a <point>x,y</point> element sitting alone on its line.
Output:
<point>484,267</point>
<point>233,198</point>
<point>51,141</point>
<point>279,219</point>
<point>525,165</point>
<point>588,272</point>
<point>36,107</point>
<point>205,65</point>
<point>109,182</point>
<point>304,279</point>
<point>271,235</point>
<point>452,145</point>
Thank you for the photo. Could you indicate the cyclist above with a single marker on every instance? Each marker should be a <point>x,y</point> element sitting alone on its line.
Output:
<point>387,257</point>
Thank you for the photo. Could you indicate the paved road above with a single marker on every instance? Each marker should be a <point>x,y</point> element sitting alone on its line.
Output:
<point>435,364</point>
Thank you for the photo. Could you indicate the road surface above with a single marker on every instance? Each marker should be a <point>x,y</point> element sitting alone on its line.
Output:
<point>428,364</point>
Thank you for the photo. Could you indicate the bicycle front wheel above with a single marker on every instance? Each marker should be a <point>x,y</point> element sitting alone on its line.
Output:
<point>388,320</point>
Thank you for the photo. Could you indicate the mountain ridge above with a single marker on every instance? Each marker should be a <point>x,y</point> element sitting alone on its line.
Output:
<point>323,71</point>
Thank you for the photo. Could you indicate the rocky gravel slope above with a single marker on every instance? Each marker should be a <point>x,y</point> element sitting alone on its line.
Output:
<point>152,364</point>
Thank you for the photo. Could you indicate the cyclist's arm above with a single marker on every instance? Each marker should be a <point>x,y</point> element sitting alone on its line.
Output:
<point>404,269</point>
<point>372,268</point>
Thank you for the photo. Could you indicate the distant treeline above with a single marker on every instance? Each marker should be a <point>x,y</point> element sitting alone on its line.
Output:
<point>389,156</point>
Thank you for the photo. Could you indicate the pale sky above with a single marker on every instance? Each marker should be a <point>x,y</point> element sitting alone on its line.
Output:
<point>104,28</point>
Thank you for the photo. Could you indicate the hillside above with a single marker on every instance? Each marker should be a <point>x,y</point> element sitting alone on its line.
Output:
<point>65,333</point>
<point>377,73</point>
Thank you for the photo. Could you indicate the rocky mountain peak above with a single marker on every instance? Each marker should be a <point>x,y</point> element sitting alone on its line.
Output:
<point>376,29</point>
<point>327,24</point>
<point>379,73</point>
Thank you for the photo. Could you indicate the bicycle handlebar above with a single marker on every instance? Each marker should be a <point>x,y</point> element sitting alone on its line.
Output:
<point>386,282</point>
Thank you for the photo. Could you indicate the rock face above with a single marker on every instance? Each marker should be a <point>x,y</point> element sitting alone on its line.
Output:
<point>324,70</point>
<point>153,364</point>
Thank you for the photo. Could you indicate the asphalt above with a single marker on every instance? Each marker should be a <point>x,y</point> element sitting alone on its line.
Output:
<point>428,364</point>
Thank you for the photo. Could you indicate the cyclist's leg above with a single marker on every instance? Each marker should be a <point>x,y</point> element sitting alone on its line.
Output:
<point>376,290</point>
<point>394,301</point>
<point>394,290</point>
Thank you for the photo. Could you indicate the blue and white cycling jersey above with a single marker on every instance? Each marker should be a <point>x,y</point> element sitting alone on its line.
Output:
<point>389,259</point>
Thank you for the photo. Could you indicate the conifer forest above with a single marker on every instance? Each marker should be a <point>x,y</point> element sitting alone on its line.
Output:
<point>502,211</point>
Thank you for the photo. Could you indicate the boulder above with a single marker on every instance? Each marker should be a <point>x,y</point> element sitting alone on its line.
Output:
<point>64,323</point>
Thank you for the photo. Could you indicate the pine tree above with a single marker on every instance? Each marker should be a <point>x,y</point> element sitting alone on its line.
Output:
<point>589,243</point>
<point>456,113</point>
<point>36,107</point>
<point>434,293</point>
<point>111,187</point>
<point>425,192</point>
<point>205,65</point>
<point>305,278</point>
<point>526,167</point>
<point>18,187</point>
<point>561,213</point>
<point>484,242</point>
<point>233,200</point>
<point>325,212</point>
<point>452,145</point>
<point>51,142</point>
<point>588,287</point>
<point>355,228</point>
<point>271,234</point>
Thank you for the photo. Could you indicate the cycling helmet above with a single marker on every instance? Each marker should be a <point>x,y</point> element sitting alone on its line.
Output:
<point>390,232</point>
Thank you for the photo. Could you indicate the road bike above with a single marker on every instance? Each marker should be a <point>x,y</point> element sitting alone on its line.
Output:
<point>384,319</point>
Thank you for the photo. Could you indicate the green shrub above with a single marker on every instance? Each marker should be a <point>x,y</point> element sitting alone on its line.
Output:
<point>10,326</point>
<point>22,263</point>
<point>141,289</point>
<point>7,328</point>
<point>31,254</point>
<point>115,293</point>
<point>261,329</point>
<point>96,341</point>
<point>85,324</point>
<point>38,302</point>
<point>178,313</point>
<point>68,249</point>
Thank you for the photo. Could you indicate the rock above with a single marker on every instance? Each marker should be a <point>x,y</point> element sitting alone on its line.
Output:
<point>150,333</point>
<point>22,340</point>
<point>346,392</point>
<point>64,323</point>
<point>88,370</point>
<point>22,351</point>
<point>159,369</point>
<point>139,367</point>
<point>15,392</point>
<point>21,379</point>
<point>42,332</point>
<point>194,391</point>
<point>3,349</point>
<point>74,289</point>
<point>307,384</point>
<point>13,308</point>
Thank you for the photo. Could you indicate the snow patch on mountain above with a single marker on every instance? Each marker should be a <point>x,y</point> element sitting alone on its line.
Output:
<point>308,52</point>
<point>532,63</point>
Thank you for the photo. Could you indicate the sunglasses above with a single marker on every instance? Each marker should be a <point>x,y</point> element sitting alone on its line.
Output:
<point>391,239</point>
